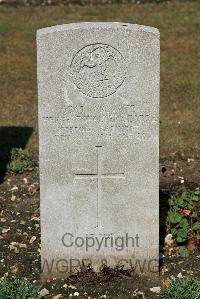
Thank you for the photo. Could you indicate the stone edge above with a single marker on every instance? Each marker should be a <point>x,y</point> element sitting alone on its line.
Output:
<point>90,25</point>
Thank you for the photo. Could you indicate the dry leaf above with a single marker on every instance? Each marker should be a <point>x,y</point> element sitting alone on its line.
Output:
<point>12,247</point>
<point>165,282</point>
<point>14,269</point>
<point>25,180</point>
<point>5,230</point>
<point>44,292</point>
<point>137,293</point>
<point>35,218</point>
<point>22,245</point>
<point>65,286</point>
<point>71,287</point>
<point>155,290</point>
<point>22,222</point>
<point>33,238</point>
<point>14,188</point>
<point>13,197</point>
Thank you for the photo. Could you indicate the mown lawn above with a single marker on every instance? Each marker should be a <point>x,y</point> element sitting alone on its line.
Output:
<point>180,82</point>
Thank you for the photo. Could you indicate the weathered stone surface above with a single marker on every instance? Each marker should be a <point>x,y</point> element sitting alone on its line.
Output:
<point>98,86</point>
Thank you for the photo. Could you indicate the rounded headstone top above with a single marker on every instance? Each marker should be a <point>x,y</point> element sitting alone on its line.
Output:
<point>98,25</point>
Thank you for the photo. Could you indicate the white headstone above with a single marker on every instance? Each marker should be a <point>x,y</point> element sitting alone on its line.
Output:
<point>98,86</point>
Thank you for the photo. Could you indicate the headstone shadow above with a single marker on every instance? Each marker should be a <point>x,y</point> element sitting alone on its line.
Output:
<point>163,209</point>
<point>11,137</point>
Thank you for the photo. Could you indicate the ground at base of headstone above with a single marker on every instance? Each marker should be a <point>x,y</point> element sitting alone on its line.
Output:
<point>20,240</point>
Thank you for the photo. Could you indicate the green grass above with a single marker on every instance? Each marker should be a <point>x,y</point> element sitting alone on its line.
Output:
<point>18,289</point>
<point>182,288</point>
<point>179,26</point>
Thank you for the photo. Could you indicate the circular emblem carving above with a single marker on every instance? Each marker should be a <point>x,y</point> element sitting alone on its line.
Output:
<point>98,70</point>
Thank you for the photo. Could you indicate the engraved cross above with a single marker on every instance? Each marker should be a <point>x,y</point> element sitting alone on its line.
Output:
<point>99,176</point>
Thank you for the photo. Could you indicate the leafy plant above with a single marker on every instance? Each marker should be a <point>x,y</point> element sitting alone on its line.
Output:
<point>20,161</point>
<point>184,252</point>
<point>18,289</point>
<point>181,288</point>
<point>183,219</point>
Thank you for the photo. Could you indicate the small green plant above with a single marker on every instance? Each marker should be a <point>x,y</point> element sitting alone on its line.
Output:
<point>183,219</point>
<point>18,289</point>
<point>20,161</point>
<point>181,288</point>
